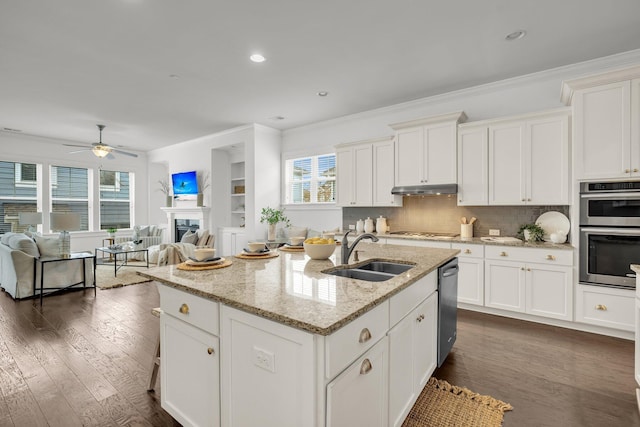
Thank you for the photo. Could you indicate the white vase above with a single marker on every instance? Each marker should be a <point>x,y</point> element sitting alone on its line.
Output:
<point>168,201</point>
<point>200,200</point>
<point>271,232</point>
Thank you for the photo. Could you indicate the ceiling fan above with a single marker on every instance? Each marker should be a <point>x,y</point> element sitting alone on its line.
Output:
<point>100,149</point>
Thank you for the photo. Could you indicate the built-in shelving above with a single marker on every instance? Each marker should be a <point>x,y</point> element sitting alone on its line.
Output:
<point>237,182</point>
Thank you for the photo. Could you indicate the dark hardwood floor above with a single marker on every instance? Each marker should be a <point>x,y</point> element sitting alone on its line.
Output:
<point>82,360</point>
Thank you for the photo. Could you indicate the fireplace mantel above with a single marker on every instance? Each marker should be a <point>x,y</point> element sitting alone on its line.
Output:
<point>199,213</point>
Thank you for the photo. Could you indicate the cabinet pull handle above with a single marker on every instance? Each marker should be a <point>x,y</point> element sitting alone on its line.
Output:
<point>420,318</point>
<point>627,171</point>
<point>551,258</point>
<point>211,351</point>
<point>365,336</point>
<point>365,367</point>
<point>523,200</point>
<point>635,169</point>
<point>503,253</point>
<point>601,307</point>
<point>467,251</point>
<point>184,309</point>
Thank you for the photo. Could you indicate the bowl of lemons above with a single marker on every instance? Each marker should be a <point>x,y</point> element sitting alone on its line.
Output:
<point>318,247</point>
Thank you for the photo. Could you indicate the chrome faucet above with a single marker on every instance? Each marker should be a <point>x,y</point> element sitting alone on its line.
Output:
<point>346,250</point>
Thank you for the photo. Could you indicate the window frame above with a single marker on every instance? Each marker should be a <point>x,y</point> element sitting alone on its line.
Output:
<point>313,180</point>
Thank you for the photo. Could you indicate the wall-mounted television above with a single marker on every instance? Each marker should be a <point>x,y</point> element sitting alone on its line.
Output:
<point>185,185</point>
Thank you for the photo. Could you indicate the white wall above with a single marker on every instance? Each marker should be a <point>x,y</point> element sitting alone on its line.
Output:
<point>49,151</point>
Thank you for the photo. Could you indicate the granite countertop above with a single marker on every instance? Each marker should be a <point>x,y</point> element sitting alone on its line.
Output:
<point>471,240</point>
<point>292,289</point>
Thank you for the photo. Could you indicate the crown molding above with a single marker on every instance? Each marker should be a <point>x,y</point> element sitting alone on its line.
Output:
<point>569,87</point>
<point>456,117</point>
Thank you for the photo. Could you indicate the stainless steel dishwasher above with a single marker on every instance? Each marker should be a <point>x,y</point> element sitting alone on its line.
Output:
<point>447,308</point>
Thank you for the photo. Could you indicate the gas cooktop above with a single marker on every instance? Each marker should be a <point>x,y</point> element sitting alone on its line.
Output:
<point>425,234</point>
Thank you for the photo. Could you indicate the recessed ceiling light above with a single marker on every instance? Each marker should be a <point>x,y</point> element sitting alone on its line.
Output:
<point>323,93</point>
<point>256,57</point>
<point>515,35</point>
<point>174,76</point>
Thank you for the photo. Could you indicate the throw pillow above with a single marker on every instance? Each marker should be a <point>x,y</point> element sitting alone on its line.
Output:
<point>144,231</point>
<point>5,237</point>
<point>204,236</point>
<point>25,244</point>
<point>189,237</point>
<point>48,246</point>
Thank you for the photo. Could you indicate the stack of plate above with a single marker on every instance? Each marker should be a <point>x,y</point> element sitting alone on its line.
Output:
<point>553,222</point>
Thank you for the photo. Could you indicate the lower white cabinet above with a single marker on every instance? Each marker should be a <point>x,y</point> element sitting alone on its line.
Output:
<point>471,273</point>
<point>190,359</point>
<point>609,307</point>
<point>358,396</point>
<point>504,285</point>
<point>232,240</point>
<point>413,358</point>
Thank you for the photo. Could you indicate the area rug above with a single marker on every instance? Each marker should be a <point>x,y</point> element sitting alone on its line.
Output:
<point>126,276</point>
<point>442,404</point>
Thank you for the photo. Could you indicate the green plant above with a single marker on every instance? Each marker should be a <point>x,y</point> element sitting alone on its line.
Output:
<point>111,230</point>
<point>273,216</point>
<point>535,232</point>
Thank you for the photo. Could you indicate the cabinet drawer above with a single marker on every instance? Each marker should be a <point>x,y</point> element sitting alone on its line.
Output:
<point>421,243</point>
<point>469,251</point>
<point>402,303</point>
<point>348,343</point>
<point>538,255</point>
<point>192,309</point>
<point>612,308</point>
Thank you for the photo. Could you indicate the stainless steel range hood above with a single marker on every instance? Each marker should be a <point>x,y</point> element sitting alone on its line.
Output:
<point>426,189</point>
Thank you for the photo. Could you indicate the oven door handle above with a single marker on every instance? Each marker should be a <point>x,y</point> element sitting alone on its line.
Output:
<point>612,231</point>
<point>632,275</point>
<point>629,195</point>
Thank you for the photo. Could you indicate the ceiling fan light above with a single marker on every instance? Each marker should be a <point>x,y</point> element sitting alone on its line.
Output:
<point>100,151</point>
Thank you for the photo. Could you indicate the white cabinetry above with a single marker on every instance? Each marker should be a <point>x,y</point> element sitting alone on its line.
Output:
<point>422,243</point>
<point>606,123</point>
<point>232,242</point>
<point>365,174</point>
<point>533,281</point>
<point>609,307</point>
<point>515,161</point>
<point>425,151</point>
<point>471,273</point>
<point>189,358</point>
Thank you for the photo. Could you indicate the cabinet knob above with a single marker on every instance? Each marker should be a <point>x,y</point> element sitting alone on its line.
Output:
<point>420,318</point>
<point>635,169</point>
<point>365,336</point>
<point>184,309</point>
<point>528,269</point>
<point>503,253</point>
<point>601,307</point>
<point>460,201</point>
<point>627,171</point>
<point>365,367</point>
<point>523,200</point>
<point>551,258</point>
<point>528,200</point>
<point>467,251</point>
<point>210,351</point>
<point>522,268</point>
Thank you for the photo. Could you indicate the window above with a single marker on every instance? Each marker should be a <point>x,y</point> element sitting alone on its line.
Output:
<point>70,192</point>
<point>311,179</point>
<point>115,199</point>
<point>18,193</point>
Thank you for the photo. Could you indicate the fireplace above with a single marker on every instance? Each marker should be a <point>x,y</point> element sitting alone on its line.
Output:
<point>184,225</point>
<point>190,216</point>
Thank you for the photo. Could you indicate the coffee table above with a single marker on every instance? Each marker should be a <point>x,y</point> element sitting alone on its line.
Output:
<point>125,259</point>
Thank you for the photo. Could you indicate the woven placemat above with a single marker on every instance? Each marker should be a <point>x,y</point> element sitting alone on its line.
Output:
<point>271,254</point>
<point>291,249</point>
<point>188,267</point>
<point>443,404</point>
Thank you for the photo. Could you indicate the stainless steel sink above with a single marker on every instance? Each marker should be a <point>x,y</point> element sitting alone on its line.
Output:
<point>374,271</point>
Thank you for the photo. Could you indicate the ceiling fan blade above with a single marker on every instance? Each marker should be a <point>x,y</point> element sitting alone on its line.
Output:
<point>88,147</point>
<point>110,156</point>
<point>126,153</point>
<point>79,151</point>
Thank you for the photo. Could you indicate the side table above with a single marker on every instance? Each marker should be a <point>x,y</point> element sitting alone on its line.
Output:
<point>84,256</point>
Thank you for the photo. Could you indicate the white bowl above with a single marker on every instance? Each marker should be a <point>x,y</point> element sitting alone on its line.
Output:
<point>203,253</point>
<point>255,246</point>
<point>319,251</point>
<point>293,240</point>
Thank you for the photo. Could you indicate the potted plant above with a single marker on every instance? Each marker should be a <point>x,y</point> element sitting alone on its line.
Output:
<point>273,217</point>
<point>531,232</point>
<point>165,188</point>
<point>112,232</point>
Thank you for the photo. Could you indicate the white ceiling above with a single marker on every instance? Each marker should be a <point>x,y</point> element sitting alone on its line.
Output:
<point>67,65</point>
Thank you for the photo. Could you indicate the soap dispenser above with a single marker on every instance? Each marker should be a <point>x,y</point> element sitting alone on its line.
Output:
<point>368,225</point>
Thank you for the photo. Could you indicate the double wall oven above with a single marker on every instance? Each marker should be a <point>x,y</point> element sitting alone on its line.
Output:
<point>609,233</point>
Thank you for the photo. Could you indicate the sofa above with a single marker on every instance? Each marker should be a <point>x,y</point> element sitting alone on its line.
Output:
<point>175,253</point>
<point>146,235</point>
<point>19,270</point>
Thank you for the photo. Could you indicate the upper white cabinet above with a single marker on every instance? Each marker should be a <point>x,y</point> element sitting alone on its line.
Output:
<point>515,161</point>
<point>365,173</point>
<point>606,124</point>
<point>425,151</point>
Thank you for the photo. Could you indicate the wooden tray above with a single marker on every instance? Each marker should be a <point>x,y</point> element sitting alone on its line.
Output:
<point>188,267</point>
<point>271,254</point>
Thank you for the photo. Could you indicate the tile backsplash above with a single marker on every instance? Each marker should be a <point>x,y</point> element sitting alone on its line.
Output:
<point>442,214</point>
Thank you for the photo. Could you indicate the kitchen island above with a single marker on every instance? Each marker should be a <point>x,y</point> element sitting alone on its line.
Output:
<point>280,342</point>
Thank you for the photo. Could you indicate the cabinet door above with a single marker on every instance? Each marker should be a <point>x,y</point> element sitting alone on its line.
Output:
<point>226,248</point>
<point>471,280</point>
<point>602,131</point>
<point>635,127</point>
<point>383,174</point>
<point>358,396</point>
<point>547,161</point>
<point>345,177</point>
<point>190,373</point>
<point>549,291</point>
<point>506,170</point>
<point>239,241</point>
<point>409,162</point>
<point>425,345</point>
<point>439,154</point>
<point>363,175</point>
<point>504,285</point>
<point>473,163</point>
<point>402,390</point>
